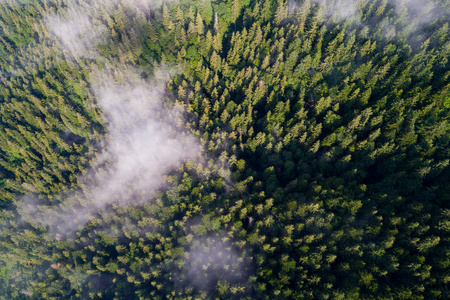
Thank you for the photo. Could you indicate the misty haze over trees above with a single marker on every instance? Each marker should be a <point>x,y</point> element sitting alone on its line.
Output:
<point>239,149</point>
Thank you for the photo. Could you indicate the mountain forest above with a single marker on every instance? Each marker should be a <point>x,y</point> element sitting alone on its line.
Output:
<point>224,149</point>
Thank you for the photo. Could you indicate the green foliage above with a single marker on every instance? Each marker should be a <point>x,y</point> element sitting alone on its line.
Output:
<point>326,144</point>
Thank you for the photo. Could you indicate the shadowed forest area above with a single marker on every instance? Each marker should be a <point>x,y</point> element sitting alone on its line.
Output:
<point>239,149</point>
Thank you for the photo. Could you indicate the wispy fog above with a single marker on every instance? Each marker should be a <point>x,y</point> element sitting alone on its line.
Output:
<point>145,139</point>
<point>80,28</point>
<point>213,260</point>
<point>417,13</point>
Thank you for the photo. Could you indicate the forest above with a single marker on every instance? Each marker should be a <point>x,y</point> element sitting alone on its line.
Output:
<point>224,149</point>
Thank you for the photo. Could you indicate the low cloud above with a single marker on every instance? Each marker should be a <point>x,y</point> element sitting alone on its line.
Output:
<point>417,13</point>
<point>76,32</point>
<point>212,260</point>
<point>328,10</point>
<point>145,140</point>
<point>420,12</point>
<point>80,28</point>
<point>338,10</point>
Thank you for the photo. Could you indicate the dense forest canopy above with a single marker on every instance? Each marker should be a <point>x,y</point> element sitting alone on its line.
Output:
<point>239,149</point>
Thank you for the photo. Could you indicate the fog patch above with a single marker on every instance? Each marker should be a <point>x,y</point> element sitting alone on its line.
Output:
<point>328,10</point>
<point>418,13</point>
<point>146,138</point>
<point>76,32</point>
<point>211,261</point>
<point>338,10</point>
<point>81,27</point>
